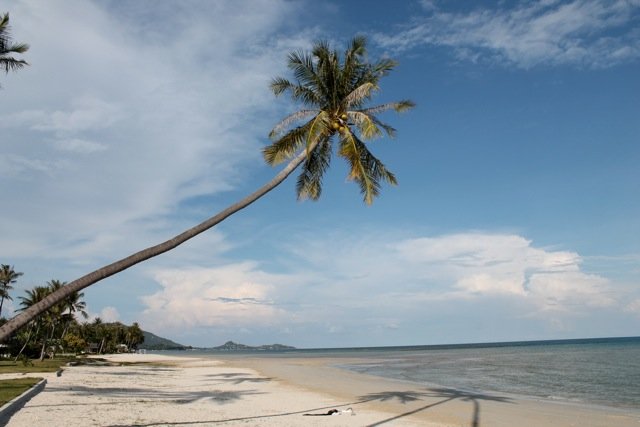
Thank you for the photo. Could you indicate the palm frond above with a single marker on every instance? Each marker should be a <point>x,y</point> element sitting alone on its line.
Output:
<point>319,128</point>
<point>306,95</point>
<point>280,85</point>
<point>384,66</point>
<point>287,121</point>
<point>7,47</point>
<point>390,130</point>
<point>358,95</point>
<point>15,48</point>
<point>303,68</point>
<point>349,150</point>
<point>285,147</point>
<point>11,64</point>
<point>357,49</point>
<point>366,124</point>
<point>309,184</point>
<point>366,169</point>
<point>399,107</point>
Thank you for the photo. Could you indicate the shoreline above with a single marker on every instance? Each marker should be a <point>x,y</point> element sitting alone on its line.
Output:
<point>156,390</point>
<point>440,404</point>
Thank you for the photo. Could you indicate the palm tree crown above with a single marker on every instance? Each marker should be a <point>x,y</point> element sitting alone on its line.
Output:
<point>8,276</point>
<point>336,90</point>
<point>7,47</point>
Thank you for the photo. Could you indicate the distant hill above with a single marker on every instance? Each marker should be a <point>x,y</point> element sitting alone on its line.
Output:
<point>154,342</point>
<point>232,346</point>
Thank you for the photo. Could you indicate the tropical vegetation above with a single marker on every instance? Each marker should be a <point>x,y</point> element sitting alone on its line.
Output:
<point>8,276</point>
<point>57,330</point>
<point>8,48</point>
<point>335,90</point>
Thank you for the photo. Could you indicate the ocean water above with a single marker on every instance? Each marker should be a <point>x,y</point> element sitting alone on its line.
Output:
<point>592,371</point>
<point>603,372</point>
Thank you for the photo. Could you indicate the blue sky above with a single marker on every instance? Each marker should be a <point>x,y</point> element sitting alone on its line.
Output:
<point>516,216</point>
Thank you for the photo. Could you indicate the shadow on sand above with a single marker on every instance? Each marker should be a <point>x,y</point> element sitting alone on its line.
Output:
<point>144,394</point>
<point>446,394</point>
<point>402,397</point>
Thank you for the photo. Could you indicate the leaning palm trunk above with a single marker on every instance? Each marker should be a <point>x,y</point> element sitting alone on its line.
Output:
<point>55,297</point>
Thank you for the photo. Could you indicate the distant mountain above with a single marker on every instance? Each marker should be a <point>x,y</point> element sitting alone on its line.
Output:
<point>154,342</point>
<point>232,346</point>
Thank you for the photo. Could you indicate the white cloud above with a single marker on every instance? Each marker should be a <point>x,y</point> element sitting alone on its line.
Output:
<point>107,315</point>
<point>497,264</point>
<point>339,285</point>
<point>235,294</point>
<point>592,33</point>
<point>633,307</point>
<point>456,266</point>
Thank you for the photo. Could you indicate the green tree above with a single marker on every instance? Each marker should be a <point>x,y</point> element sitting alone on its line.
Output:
<point>135,336</point>
<point>72,305</point>
<point>337,89</point>
<point>8,47</point>
<point>36,324</point>
<point>74,343</point>
<point>8,276</point>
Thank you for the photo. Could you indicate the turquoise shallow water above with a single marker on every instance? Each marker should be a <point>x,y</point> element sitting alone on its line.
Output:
<point>599,371</point>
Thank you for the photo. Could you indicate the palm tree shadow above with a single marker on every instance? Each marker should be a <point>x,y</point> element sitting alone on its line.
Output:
<point>181,397</point>
<point>447,395</point>
<point>403,397</point>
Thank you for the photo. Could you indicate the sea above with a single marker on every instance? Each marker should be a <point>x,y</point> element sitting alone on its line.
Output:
<point>603,371</point>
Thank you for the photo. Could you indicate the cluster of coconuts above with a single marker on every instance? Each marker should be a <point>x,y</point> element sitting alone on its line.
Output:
<point>340,123</point>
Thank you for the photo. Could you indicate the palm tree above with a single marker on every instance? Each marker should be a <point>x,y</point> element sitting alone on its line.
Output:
<point>70,306</point>
<point>337,89</point>
<point>8,276</point>
<point>7,47</point>
<point>37,324</point>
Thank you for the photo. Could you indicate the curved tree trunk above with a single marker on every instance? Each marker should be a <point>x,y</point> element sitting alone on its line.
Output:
<point>25,343</point>
<point>55,297</point>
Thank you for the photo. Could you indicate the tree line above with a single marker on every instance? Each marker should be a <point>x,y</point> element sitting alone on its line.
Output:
<point>57,330</point>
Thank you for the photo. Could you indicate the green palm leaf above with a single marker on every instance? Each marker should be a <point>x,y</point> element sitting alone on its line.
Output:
<point>7,47</point>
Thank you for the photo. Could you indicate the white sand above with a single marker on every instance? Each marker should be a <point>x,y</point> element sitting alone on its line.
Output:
<point>187,392</point>
<point>276,392</point>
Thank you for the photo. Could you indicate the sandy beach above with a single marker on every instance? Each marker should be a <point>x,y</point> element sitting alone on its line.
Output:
<point>277,392</point>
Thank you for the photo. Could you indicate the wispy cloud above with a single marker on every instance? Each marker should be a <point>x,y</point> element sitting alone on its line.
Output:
<point>126,121</point>
<point>585,33</point>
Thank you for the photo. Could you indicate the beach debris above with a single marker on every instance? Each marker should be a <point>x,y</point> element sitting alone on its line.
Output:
<point>329,412</point>
<point>347,411</point>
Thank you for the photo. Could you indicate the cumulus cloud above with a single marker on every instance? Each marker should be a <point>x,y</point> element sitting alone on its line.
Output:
<point>381,283</point>
<point>235,294</point>
<point>107,315</point>
<point>496,264</point>
<point>590,33</point>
